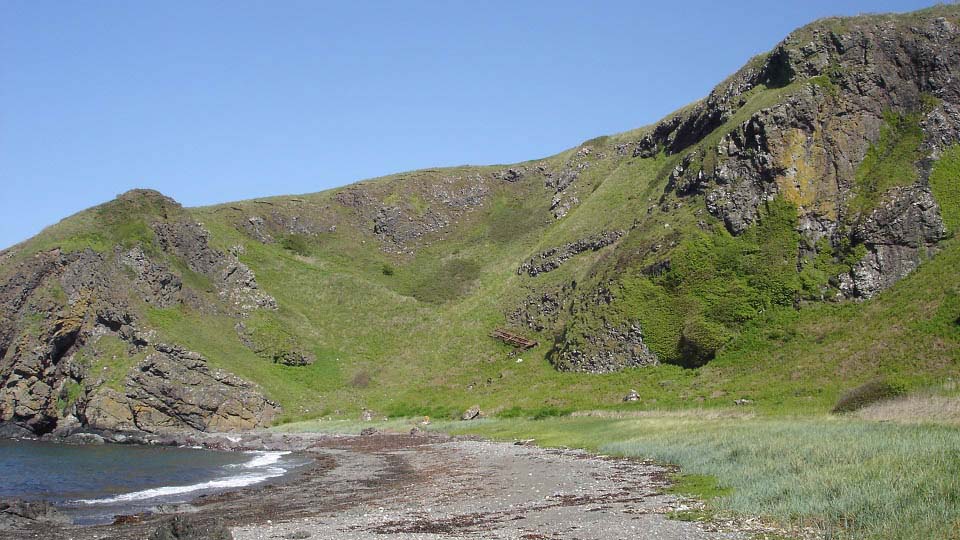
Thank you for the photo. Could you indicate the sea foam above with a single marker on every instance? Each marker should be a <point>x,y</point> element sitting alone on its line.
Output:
<point>262,466</point>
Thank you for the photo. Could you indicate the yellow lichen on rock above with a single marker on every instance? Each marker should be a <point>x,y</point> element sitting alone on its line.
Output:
<point>805,164</point>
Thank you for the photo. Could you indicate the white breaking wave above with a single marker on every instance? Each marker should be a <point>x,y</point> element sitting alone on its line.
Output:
<point>263,459</point>
<point>259,466</point>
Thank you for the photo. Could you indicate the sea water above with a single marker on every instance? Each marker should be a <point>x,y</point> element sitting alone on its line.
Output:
<point>92,484</point>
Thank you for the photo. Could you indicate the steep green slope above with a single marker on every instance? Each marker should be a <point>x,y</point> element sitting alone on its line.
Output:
<point>780,241</point>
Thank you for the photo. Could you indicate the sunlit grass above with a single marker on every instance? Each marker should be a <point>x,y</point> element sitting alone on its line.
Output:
<point>849,478</point>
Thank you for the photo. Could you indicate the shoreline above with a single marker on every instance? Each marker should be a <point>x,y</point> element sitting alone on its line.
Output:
<point>424,485</point>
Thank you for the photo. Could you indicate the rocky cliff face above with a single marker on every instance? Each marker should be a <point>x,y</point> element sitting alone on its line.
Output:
<point>843,119</point>
<point>56,306</point>
<point>172,389</point>
<point>843,79</point>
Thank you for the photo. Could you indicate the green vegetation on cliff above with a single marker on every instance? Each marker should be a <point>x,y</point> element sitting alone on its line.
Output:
<point>732,243</point>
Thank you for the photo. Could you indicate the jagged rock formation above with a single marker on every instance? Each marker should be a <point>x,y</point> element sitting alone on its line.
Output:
<point>901,232</point>
<point>55,306</point>
<point>612,348</point>
<point>553,258</point>
<point>155,283</point>
<point>173,388</point>
<point>845,78</point>
<point>235,283</point>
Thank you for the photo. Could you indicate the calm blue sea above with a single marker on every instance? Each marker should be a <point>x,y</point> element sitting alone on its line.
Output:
<point>92,484</point>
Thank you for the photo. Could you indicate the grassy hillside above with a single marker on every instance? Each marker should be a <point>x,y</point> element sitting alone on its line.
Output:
<point>407,333</point>
<point>393,285</point>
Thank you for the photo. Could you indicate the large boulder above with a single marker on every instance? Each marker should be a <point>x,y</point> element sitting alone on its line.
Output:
<point>175,389</point>
<point>191,528</point>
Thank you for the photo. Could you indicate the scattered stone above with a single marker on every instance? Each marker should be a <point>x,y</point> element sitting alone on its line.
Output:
<point>511,174</point>
<point>633,395</point>
<point>190,528</point>
<point>471,414</point>
<point>183,508</point>
<point>369,431</point>
<point>742,401</point>
<point>84,439</point>
<point>16,510</point>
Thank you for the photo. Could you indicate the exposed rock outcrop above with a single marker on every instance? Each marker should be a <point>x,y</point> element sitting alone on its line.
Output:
<point>56,308</point>
<point>611,348</point>
<point>432,204</point>
<point>553,258</point>
<point>184,527</point>
<point>562,182</point>
<point>541,310</point>
<point>155,283</point>
<point>235,282</point>
<point>18,515</point>
<point>841,80</point>
<point>36,363</point>
<point>898,235</point>
<point>174,389</point>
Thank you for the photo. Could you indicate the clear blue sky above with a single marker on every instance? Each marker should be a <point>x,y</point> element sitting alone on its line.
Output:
<point>216,101</point>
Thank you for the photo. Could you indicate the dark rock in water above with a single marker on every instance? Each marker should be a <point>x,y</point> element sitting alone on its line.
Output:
<point>84,438</point>
<point>190,528</point>
<point>9,430</point>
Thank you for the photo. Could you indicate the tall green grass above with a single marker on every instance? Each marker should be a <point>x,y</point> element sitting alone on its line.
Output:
<point>847,478</point>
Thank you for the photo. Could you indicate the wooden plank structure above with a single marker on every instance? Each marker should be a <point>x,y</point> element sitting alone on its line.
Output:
<point>510,338</point>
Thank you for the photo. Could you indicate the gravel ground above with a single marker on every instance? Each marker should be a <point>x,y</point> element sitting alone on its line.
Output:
<point>430,487</point>
<point>474,489</point>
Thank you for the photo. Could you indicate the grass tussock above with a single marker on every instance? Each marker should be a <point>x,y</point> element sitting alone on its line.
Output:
<point>915,410</point>
<point>866,394</point>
